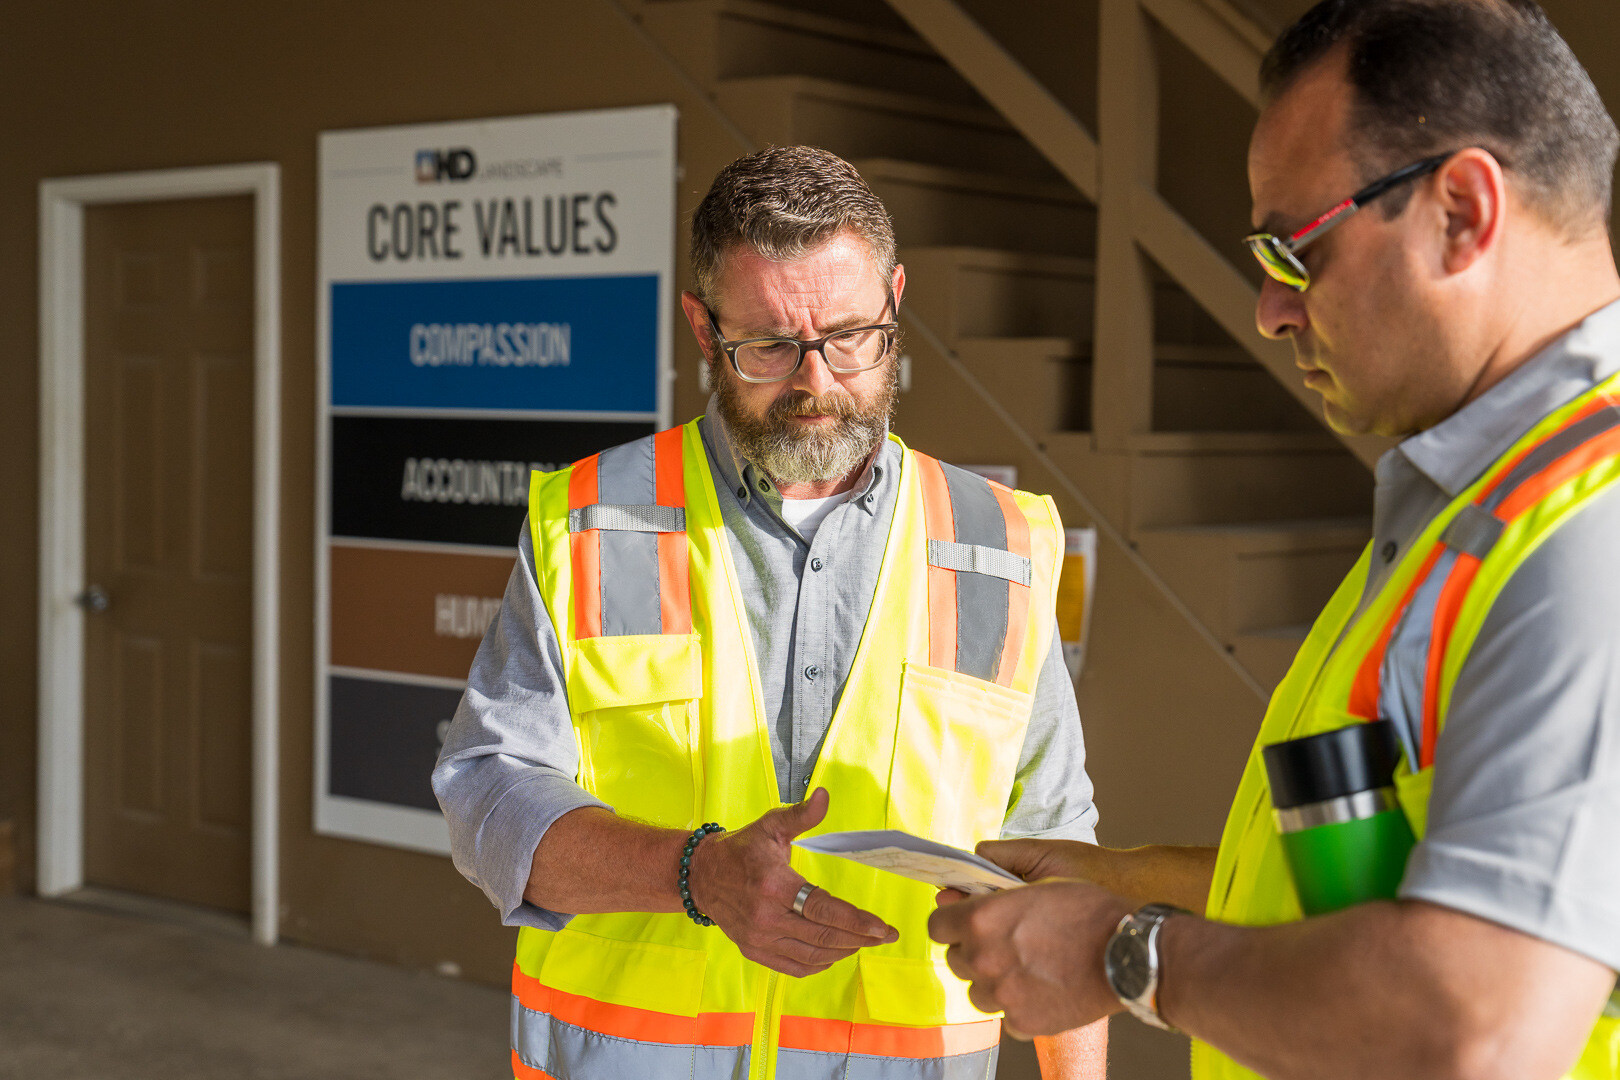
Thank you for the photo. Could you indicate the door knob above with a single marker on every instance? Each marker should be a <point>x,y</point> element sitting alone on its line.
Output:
<point>94,600</point>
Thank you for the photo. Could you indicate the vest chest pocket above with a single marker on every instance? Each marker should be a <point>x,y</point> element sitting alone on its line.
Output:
<point>957,744</point>
<point>634,703</point>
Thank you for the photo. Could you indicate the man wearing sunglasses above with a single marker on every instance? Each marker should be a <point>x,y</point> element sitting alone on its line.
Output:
<point>774,619</point>
<point>1464,298</point>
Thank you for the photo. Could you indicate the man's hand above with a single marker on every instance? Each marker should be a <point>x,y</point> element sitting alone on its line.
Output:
<point>1035,952</point>
<point>1036,860</point>
<point>743,882</point>
<point>1159,873</point>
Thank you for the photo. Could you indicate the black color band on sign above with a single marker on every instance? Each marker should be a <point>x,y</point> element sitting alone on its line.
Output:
<point>383,739</point>
<point>1361,757</point>
<point>453,481</point>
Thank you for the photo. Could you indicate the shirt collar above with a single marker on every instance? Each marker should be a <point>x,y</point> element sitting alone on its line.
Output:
<point>1457,451</point>
<point>747,480</point>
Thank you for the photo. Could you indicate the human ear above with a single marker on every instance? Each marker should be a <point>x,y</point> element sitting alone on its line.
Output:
<point>698,316</point>
<point>1472,193</point>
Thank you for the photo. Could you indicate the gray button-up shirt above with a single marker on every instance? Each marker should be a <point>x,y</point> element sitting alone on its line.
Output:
<point>1524,821</point>
<point>508,767</point>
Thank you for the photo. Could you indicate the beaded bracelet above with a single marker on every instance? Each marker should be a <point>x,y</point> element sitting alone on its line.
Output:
<point>686,866</point>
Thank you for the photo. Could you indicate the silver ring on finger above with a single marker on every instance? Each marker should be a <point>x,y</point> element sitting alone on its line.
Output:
<point>804,894</point>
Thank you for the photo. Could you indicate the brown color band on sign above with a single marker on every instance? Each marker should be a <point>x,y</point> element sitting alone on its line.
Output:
<point>385,607</point>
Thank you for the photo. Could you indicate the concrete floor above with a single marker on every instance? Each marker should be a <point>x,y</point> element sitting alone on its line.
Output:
<point>103,987</point>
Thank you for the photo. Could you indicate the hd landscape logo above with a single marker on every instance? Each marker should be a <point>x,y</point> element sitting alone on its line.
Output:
<point>436,166</point>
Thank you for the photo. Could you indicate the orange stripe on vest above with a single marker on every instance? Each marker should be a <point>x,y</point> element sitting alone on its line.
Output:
<point>884,1040</point>
<point>940,521</point>
<point>1364,693</point>
<point>1017,595</point>
<point>586,549</point>
<point>674,584</point>
<point>521,1071</point>
<point>627,1022</point>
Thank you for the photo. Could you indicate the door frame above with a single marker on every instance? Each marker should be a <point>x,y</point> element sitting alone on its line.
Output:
<point>62,518</point>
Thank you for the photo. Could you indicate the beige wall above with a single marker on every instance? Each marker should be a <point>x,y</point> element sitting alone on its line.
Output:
<point>104,87</point>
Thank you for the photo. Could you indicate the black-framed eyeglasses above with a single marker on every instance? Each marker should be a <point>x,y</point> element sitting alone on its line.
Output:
<point>1279,255</point>
<point>772,359</point>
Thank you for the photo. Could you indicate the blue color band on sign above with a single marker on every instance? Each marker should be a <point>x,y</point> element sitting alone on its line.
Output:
<point>585,344</point>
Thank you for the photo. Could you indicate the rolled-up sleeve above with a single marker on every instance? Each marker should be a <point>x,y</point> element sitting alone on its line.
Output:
<point>507,770</point>
<point>1052,793</point>
<point>1526,802</point>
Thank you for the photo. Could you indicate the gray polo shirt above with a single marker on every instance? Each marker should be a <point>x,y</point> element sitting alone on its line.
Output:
<point>1524,821</point>
<point>508,767</point>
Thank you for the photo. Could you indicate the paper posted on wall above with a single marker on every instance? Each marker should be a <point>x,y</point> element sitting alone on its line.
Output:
<point>1074,602</point>
<point>940,865</point>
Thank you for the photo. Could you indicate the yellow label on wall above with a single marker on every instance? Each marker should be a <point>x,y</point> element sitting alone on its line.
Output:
<point>1075,587</point>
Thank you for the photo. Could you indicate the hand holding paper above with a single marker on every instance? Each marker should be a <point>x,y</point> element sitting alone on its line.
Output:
<point>939,865</point>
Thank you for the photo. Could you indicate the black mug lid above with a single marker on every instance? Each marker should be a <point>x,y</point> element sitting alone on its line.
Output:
<point>1361,757</point>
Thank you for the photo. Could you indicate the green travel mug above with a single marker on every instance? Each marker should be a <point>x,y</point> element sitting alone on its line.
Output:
<point>1343,834</point>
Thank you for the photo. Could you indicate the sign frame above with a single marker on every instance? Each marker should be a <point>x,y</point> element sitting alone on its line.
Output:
<point>411,827</point>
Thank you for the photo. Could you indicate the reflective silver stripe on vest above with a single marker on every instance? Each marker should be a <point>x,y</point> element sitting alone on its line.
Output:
<point>627,481</point>
<point>568,1052</point>
<point>1474,531</point>
<point>981,599</point>
<point>816,1065</point>
<point>1550,451</point>
<point>643,518</point>
<point>976,559</point>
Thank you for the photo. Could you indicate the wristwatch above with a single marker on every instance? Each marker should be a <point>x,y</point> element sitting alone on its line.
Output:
<point>1131,961</point>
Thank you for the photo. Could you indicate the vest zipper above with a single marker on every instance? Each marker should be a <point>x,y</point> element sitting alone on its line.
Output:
<point>767,1031</point>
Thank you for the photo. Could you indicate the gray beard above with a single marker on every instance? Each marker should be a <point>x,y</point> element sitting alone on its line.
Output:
<point>791,456</point>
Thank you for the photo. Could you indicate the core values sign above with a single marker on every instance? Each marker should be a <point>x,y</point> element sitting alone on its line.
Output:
<point>494,298</point>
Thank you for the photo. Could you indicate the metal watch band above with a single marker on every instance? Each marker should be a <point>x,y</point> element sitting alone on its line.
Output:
<point>1143,924</point>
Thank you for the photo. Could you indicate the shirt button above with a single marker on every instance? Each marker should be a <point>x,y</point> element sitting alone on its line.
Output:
<point>1389,549</point>
<point>764,485</point>
<point>815,564</point>
<point>742,493</point>
<point>812,672</point>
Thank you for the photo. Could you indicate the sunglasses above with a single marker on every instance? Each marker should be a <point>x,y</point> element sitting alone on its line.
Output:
<point>1278,255</point>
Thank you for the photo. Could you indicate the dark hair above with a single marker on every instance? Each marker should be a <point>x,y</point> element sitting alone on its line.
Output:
<point>781,202</point>
<point>1436,75</point>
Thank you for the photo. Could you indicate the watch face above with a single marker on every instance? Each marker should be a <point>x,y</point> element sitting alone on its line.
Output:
<point>1127,965</point>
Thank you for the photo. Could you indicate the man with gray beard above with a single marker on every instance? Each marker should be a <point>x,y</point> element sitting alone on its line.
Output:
<point>777,620</point>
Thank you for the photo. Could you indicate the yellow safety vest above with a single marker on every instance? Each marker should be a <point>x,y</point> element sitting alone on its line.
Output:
<point>634,564</point>
<point>1424,619</point>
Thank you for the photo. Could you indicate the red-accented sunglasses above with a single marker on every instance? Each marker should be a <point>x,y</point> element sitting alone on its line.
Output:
<point>1279,256</point>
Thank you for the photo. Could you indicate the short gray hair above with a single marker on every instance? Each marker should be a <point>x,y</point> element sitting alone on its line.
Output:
<point>781,202</point>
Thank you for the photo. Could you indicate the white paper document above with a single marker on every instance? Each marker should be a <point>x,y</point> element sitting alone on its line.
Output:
<point>910,856</point>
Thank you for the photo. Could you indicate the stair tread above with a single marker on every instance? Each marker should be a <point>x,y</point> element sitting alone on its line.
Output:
<point>1266,537</point>
<point>1289,525</point>
<point>1052,348</point>
<point>1177,353</point>
<point>897,101</point>
<point>1080,349</point>
<point>812,22</point>
<point>975,181</point>
<point>983,258</point>
<point>1234,442</point>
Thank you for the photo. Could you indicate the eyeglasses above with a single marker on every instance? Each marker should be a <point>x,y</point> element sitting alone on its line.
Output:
<point>1278,256</point>
<point>772,359</point>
